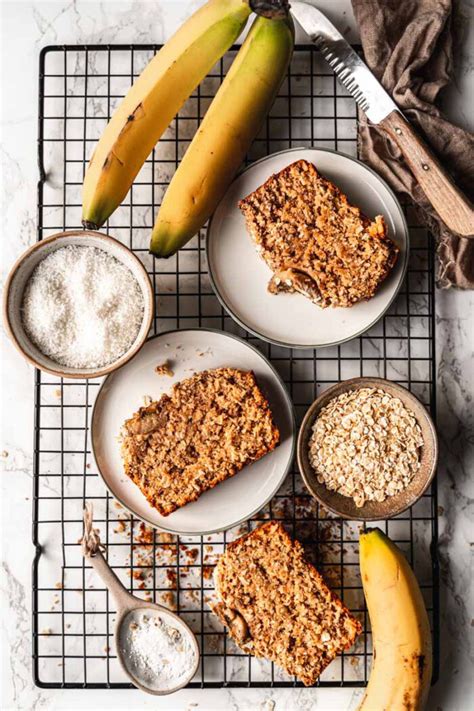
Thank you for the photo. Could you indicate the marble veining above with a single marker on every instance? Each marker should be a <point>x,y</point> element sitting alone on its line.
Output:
<point>26,27</point>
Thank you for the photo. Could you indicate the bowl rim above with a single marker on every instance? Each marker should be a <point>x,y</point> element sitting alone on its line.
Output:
<point>356,384</point>
<point>78,373</point>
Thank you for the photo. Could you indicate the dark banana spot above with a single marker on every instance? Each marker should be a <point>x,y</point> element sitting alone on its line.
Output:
<point>421,665</point>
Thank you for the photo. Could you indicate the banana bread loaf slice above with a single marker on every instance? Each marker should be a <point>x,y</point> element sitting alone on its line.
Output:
<point>314,240</point>
<point>205,431</point>
<point>277,606</point>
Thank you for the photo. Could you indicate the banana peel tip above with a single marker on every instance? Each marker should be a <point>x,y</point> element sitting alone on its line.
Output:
<point>271,9</point>
<point>88,225</point>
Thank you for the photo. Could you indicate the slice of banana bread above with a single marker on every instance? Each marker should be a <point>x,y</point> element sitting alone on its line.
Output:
<point>314,240</point>
<point>277,606</point>
<point>209,428</point>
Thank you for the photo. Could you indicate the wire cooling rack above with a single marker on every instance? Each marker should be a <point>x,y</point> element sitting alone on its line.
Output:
<point>73,615</point>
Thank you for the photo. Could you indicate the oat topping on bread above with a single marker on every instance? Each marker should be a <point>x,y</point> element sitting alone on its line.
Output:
<point>277,606</point>
<point>205,431</point>
<point>314,240</point>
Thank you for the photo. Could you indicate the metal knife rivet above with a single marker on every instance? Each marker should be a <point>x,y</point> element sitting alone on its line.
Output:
<point>399,131</point>
<point>425,167</point>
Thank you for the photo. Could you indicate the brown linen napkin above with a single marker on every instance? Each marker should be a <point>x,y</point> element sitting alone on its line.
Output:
<point>408,46</point>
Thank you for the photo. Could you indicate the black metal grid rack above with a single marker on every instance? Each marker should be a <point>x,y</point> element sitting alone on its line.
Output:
<point>72,614</point>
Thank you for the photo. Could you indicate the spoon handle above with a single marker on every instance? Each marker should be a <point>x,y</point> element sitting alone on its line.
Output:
<point>123,599</point>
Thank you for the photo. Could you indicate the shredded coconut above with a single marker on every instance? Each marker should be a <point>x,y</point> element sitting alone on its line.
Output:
<point>82,308</point>
<point>156,653</point>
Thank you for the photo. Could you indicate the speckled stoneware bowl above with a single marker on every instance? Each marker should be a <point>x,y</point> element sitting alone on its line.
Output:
<point>20,273</point>
<point>344,506</point>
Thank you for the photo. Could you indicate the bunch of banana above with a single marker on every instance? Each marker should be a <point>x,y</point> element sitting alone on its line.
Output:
<point>153,101</point>
<point>402,663</point>
<point>224,136</point>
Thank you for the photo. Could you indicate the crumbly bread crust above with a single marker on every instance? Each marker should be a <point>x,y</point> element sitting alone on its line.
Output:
<point>209,428</point>
<point>314,240</point>
<point>277,606</point>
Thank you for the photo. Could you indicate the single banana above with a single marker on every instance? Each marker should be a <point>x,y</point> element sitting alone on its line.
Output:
<point>402,662</point>
<point>225,134</point>
<point>152,102</point>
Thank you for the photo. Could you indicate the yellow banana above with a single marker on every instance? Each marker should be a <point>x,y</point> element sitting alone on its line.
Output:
<point>225,134</point>
<point>153,101</point>
<point>402,665</point>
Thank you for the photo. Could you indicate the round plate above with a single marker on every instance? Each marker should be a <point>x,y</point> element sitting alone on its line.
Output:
<point>121,394</point>
<point>240,276</point>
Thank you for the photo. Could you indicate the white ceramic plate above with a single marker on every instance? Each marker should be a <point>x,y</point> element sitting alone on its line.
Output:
<point>122,393</point>
<point>240,276</point>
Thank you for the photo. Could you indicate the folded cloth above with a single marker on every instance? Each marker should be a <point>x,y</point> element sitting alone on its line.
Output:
<point>408,46</point>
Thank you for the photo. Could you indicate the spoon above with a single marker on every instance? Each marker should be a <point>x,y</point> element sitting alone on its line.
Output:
<point>128,606</point>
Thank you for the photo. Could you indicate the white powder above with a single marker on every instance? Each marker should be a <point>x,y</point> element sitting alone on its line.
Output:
<point>82,307</point>
<point>159,655</point>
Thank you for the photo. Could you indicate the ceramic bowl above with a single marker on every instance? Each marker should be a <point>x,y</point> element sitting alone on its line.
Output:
<point>20,273</point>
<point>344,506</point>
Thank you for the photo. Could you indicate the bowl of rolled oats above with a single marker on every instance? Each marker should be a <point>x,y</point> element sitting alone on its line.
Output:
<point>367,449</point>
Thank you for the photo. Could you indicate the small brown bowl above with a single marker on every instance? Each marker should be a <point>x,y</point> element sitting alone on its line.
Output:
<point>20,273</point>
<point>344,506</point>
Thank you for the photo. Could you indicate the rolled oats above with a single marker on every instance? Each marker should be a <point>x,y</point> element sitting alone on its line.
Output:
<point>365,444</point>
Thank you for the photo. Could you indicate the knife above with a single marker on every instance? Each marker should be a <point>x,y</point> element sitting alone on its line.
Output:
<point>452,206</point>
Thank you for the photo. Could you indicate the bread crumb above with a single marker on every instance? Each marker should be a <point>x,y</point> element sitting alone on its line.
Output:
<point>121,527</point>
<point>164,369</point>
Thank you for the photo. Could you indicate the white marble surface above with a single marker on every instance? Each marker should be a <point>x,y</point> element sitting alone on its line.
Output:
<point>25,28</point>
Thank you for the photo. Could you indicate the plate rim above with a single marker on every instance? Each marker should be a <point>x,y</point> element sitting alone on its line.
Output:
<point>284,344</point>
<point>287,468</point>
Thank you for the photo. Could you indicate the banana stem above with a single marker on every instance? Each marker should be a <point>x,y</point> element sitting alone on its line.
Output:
<point>272,9</point>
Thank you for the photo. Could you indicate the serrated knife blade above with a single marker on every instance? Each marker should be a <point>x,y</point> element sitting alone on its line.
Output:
<point>351,71</point>
<point>454,208</point>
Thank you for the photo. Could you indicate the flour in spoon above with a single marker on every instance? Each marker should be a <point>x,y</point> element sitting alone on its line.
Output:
<point>161,656</point>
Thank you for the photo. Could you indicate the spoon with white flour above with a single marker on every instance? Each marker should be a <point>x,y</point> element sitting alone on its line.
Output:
<point>156,649</point>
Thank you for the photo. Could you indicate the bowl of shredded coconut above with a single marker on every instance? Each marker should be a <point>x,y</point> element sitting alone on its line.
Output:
<point>78,304</point>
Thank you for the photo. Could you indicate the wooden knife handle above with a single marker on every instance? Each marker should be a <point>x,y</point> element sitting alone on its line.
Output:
<point>452,206</point>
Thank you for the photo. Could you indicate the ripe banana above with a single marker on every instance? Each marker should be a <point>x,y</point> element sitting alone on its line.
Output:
<point>402,665</point>
<point>153,101</point>
<point>225,134</point>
